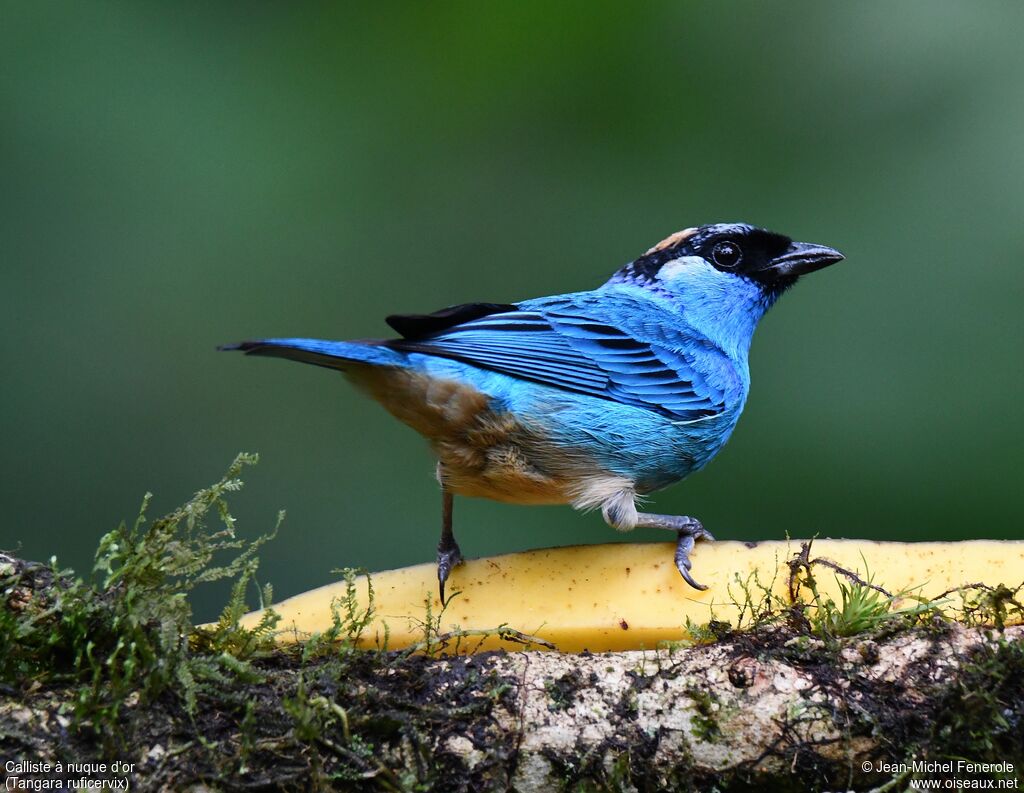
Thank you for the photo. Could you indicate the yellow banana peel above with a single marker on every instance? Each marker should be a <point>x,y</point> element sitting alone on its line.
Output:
<point>630,596</point>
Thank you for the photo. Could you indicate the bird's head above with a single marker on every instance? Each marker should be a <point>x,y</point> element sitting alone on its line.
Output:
<point>723,277</point>
<point>727,256</point>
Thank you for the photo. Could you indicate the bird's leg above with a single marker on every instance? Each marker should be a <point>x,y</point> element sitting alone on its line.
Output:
<point>689,530</point>
<point>448,553</point>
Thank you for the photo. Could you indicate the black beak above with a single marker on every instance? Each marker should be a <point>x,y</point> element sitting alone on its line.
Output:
<point>801,258</point>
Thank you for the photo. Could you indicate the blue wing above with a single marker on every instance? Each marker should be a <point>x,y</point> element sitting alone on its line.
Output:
<point>564,346</point>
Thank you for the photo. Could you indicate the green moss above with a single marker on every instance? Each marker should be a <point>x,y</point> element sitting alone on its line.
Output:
<point>127,632</point>
<point>562,691</point>
<point>864,609</point>
<point>705,719</point>
<point>119,651</point>
<point>980,715</point>
<point>992,605</point>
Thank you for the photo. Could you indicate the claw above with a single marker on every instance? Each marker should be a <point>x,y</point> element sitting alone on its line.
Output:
<point>687,539</point>
<point>447,558</point>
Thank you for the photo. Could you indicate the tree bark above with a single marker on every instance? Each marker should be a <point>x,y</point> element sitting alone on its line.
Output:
<point>769,709</point>
<point>736,711</point>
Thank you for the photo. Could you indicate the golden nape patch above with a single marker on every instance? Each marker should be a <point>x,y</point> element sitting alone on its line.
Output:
<point>672,239</point>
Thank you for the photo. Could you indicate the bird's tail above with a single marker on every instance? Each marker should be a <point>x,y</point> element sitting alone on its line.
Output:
<point>331,354</point>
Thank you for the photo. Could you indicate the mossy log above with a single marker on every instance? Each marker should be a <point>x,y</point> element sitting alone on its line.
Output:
<point>771,709</point>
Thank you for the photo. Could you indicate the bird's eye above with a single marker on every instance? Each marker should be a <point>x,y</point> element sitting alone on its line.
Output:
<point>727,254</point>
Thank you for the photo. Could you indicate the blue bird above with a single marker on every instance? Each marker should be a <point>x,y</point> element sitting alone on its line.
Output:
<point>591,398</point>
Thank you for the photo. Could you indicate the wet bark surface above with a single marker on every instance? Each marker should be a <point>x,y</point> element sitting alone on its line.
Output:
<point>769,709</point>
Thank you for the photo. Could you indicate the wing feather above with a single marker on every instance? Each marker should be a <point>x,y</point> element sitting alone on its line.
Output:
<point>577,353</point>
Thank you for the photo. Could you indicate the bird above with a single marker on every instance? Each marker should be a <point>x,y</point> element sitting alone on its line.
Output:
<point>593,399</point>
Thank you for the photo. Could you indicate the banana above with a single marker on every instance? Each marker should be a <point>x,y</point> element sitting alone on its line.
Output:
<point>630,596</point>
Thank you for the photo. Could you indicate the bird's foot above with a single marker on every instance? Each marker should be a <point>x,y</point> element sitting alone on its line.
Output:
<point>448,556</point>
<point>689,530</point>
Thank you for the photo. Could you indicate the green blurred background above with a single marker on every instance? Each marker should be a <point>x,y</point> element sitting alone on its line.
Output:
<point>177,175</point>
